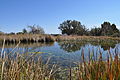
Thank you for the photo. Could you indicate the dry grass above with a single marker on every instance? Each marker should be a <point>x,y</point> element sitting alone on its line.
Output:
<point>85,38</point>
<point>34,38</point>
<point>26,38</point>
<point>98,69</point>
<point>26,66</point>
<point>22,68</point>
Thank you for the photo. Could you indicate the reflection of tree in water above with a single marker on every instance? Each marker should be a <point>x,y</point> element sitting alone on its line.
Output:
<point>105,45</point>
<point>71,46</point>
<point>28,45</point>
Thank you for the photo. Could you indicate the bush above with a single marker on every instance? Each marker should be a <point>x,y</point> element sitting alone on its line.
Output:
<point>116,35</point>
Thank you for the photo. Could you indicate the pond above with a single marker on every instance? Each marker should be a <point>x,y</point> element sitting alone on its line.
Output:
<point>67,53</point>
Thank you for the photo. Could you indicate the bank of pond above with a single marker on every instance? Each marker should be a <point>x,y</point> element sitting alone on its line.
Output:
<point>36,38</point>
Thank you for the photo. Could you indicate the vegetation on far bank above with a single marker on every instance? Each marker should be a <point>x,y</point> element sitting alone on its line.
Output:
<point>88,38</point>
<point>26,38</point>
<point>74,27</point>
<point>36,38</point>
<point>70,29</point>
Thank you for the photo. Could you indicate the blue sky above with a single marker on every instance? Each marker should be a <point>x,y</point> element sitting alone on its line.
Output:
<point>17,14</point>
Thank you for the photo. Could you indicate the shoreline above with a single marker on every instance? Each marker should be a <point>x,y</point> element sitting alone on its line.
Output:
<point>36,38</point>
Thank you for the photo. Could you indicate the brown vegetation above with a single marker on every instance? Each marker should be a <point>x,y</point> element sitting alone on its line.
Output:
<point>86,38</point>
<point>35,38</point>
<point>26,38</point>
<point>26,67</point>
<point>98,69</point>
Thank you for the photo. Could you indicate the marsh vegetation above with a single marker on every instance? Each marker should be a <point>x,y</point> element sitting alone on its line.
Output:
<point>72,60</point>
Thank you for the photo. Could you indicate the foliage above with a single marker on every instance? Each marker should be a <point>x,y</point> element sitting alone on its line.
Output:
<point>36,29</point>
<point>24,31</point>
<point>19,33</point>
<point>108,29</point>
<point>12,33</point>
<point>74,27</point>
<point>116,35</point>
<point>95,31</point>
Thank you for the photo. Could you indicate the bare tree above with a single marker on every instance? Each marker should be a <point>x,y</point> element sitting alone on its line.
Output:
<point>36,29</point>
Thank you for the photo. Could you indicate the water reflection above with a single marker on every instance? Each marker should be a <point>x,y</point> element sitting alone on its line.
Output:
<point>58,50</point>
<point>73,46</point>
<point>28,45</point>
<point>70,46</point>
<point>105,45</point>
<point>23,48</point>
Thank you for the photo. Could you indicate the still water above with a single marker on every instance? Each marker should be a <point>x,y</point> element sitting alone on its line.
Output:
<point>66,53</point>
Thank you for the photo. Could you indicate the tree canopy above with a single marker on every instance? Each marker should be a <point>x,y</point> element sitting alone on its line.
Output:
<point>108,29</point>
<point>95,31</point>
<point>36,29</point>
<point>74,27</point>
<point>24,31</point>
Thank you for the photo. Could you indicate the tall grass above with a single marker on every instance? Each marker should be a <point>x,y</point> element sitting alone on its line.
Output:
<point>30,67</point>
<point>86,38</point>
<point>26,38</point>
<point>98,69</point>
<point>25,66</point>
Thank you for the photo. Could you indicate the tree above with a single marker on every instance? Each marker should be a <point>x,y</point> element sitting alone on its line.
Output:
<point>24,31</point>
<point>36,29</point>
<point>108,29</point>
<point>115,30</point>
<point>19,33</point>
<point>95,31</point>
<point>12,33</point>
<point>74,27</point>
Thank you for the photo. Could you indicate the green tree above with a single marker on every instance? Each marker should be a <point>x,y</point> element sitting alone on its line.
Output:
<point>74,27</point>
<point>95,31</point>
<point>12,33</point>
<point>108,29</point>
<point>36,29</point>
<point>24,31</point>
<point>115,30</point>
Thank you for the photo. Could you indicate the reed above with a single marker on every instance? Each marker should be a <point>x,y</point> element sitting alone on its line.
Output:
<point>26,66</point>
<point>40,44</point>
<point>35,38</point>
<point>26,38</point>
<point>86,38</point>
<point>29,66</point>
<point>98,69</point>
